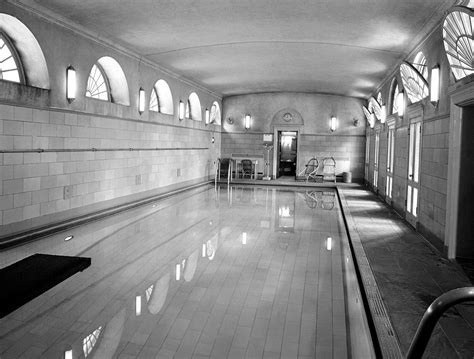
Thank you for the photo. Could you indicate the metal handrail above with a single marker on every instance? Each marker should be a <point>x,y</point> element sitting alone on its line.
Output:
<point>432,315</point>
<point>229,173</point>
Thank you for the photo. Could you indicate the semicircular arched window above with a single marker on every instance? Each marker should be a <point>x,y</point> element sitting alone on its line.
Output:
<point>10,65</point>
<point>97,86</point>
<point>458,41</point>
<point>394,97</point>
<point>420,64</point>
<point>414,84</point>
<point>215,116</point>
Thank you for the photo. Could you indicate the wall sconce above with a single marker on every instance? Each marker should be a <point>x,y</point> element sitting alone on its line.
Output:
<point>247,122</point>
<point>434,85</point>
<point>68,352</point>
<point>356,122</point>
<point>213,139</point>
<point>141,100</point>
<point>383,114</point>
<point>181,110</point>
<point>401,103</point>
<point>138,305</point>
<point>71,84</point>
<point>333,124</point>
<point>329,243</point>
<point>207,117</point>
<point>230,121</point>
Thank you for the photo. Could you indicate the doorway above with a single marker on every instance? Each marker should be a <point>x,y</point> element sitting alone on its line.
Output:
<point>413,180</point>
<point>287,153</point>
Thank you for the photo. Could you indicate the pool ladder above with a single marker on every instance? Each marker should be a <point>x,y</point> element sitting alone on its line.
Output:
<point>432,315</point>
<point>218,173</point>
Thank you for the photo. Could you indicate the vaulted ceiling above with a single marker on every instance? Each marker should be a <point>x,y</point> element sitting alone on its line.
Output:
<point>343,47</point>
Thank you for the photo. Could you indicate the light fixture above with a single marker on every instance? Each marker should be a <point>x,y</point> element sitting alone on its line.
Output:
<point>213,139</point>
<point>401,103</point>
<point>68,238</point>
<point>204,250</point>
<point>333,123</point>
<point>207,117</point>
<point>181,110</point>
<point>178,271</point>
<point>356,122</point>
<point>138,305</point>
<point>329,243</point>
<point>247,122</point>
<point>70,83</point>
<point>434,85</point>
<point>383,114</point>
<point>141,100</point>
<point>244,238</point>
<point>68,353</point>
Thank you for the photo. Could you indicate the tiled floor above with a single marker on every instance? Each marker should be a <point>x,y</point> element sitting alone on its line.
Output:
<point>241,274</point>
<point>410,274</point>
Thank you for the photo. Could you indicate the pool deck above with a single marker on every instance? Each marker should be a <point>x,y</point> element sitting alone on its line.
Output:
<point>410,273</point>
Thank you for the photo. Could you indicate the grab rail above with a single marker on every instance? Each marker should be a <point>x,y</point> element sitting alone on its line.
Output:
<point>229,173</point>
<point>432,315</point>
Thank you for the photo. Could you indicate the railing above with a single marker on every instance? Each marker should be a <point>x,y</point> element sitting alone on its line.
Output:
<point>432,315</point>
<point>229,173</point>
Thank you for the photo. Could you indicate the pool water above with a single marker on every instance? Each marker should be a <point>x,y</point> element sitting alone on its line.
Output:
<point>239,272</point>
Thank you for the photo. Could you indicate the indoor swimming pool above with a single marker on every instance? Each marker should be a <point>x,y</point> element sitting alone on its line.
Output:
<point>238,272</point>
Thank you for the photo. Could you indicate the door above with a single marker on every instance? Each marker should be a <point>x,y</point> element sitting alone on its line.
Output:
<point>376,161</point>
<point>390,157</point>
<point>367,157</point>
<point>413,180</point>
<point>287,153</point>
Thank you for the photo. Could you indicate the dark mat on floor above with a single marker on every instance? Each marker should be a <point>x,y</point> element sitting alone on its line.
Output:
<point>34,275</point>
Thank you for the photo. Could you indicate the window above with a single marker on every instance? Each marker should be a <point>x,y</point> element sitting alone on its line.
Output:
<point>215,116</point>
<point>379,99</point>
<point>96,84</point>
<point>89,342</point>
<point>187,114</point>
<point>394,97</point>
<point>457,38</point>
<point>420,64</point>
<point>414,83</point>
<point>154,101</point>
<point>10,69</point>
<point>374,107</point>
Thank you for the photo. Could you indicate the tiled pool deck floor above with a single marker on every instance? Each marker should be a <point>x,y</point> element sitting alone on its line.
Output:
<point>410,274</point>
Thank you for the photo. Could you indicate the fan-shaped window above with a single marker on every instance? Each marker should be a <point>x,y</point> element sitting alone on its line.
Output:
<point>161,99</point>
<point>215,116</point>
<point>375,108</point>
<point>90,341</point>
<point>10,68</point>
<point>420,64</point>
<point>394,97</point>
<point>194,105</point>
<point>379,99</point>
<point>154,101</point>
<point>97,84</point>
<point>414,84</point>
<point>187,114</point>
<point>458,41</point>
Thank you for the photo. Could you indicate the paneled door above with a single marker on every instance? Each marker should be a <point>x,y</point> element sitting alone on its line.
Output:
<point>413,183</point>
<point>376,161</point>
<point>390,157</point>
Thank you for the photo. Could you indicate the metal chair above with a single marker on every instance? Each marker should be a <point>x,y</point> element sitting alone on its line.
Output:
<point>247,168</point>
<point>311,169</point>
<point>329,169</point>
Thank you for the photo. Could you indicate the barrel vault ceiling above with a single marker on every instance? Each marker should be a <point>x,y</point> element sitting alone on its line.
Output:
<point>343,47</point>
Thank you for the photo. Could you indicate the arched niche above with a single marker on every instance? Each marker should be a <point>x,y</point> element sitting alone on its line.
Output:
<point>31,56</point>
<point>196,113</point>
<point>116,79</point>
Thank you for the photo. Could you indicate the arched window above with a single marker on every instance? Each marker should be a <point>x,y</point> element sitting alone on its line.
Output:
<point>215,116</point>
<point>187,114</point>
<point>97,86</point>
<point>414,84</point>
<point>420,64</point>
<point>10,65</point>
<point>394,97</point>
<point>458,32</point>
<point>161,99</point>
<point>154,101</point>
<point>379,99</point>
<point>194,104</point>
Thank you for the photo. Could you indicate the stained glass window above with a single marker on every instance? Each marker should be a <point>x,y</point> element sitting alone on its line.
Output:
<point>458,41</point>
<point>414,84</point>
<point>395,93</point>
<point>9,68</point>
<point>97,85</point>
<point>154,106</point>
<point>420,64</point>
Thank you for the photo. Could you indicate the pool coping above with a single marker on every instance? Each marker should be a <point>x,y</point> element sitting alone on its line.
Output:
<point>387,341</point>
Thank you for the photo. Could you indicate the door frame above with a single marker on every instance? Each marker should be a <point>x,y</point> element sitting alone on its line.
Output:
<point>280,128</point>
